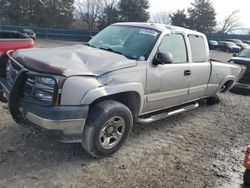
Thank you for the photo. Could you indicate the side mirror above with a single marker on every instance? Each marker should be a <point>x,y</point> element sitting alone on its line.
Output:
<point>235,55</point>
<point>163,58</point>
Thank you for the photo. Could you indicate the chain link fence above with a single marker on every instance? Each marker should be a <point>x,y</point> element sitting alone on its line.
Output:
<point>55,34</point>
<point>85,35</point>
<point>221,37</point>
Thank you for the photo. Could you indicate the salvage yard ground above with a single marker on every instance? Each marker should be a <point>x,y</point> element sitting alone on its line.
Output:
<point>201,148</point>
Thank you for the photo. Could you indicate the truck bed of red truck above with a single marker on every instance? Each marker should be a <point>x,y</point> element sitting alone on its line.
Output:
<point>14,41</point>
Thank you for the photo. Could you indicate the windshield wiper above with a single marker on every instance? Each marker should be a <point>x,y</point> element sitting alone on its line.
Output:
<point>111,50</point>
<point>117,52</point>
<point>87,44</point>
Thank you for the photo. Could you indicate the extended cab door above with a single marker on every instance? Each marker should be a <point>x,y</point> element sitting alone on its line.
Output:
<point>199,67</point>
<point>167,84</point>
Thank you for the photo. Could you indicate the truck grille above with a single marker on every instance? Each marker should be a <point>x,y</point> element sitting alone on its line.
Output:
<point>38,92</point>
<point>12,72</point>
<point>37,88</point>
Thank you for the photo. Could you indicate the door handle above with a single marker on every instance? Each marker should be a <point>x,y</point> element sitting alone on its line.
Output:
<point>187,72</point>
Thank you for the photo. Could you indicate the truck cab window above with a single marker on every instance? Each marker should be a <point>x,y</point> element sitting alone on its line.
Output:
<point>198,48</point>
<point>174,44</point>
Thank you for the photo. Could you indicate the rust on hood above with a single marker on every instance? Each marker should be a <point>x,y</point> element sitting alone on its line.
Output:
<point>38,66</point>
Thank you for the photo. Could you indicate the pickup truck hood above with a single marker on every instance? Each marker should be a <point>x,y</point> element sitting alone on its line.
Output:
<point>72,60</point>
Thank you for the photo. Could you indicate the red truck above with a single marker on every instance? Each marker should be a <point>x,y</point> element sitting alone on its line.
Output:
<point>246,164</point>
<point>13,40</point>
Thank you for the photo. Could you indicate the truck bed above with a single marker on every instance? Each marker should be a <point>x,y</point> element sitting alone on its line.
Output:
<point>11,40</point>
<point>222,74</point>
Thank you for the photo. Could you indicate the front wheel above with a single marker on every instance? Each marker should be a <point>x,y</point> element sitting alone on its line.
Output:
<point>108,125</point>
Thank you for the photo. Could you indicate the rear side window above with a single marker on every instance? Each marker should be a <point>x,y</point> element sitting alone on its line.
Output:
<point>198,48</point>
<point>176,45</point>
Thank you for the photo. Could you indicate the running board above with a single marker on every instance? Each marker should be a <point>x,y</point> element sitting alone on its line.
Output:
<point>164,115</point>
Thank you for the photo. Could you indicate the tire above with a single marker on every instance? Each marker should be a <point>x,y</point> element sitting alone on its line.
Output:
<point>3,98</point>
<point>213,100</point>
<point>108,125</point>
<point>246,177</point>
<point>240,90</point>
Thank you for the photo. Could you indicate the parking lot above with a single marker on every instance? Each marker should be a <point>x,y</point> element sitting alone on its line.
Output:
<point>200,148</point>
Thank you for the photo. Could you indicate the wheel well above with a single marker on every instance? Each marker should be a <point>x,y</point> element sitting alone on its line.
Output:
<point>129,99</point>
<point>227,86</point>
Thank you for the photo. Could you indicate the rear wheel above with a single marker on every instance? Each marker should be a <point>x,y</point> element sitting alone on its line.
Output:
<point>108,125</point>
<point>246,177</point>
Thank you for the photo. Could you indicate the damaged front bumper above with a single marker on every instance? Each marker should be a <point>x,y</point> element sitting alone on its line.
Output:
<point>62,123</point>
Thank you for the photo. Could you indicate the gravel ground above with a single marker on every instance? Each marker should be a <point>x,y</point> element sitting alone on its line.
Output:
<point>201,148</point>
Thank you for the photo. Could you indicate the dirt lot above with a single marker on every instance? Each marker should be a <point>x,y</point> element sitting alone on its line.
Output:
<point>201,148</point>
<point>53,43</point>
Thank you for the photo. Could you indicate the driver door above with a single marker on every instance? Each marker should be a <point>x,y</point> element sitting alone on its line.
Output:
<point>168,84</point>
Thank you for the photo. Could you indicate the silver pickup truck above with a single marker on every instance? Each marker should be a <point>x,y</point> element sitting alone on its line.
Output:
<point>128,73</point>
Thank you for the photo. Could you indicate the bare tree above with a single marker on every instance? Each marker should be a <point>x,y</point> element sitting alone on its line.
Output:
<point>88,11</point>
<point>231,22</point>
<point>108,3</point>
<point>42,2</point>
<point>109,14</point>
<point>162,17</point>
<point>97,13</point>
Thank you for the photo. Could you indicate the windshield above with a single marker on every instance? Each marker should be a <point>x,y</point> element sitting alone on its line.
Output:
<point>132,42</point>
<point>245,53</point>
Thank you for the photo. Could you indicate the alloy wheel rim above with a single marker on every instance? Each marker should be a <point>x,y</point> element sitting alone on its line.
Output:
<point>112,132</point>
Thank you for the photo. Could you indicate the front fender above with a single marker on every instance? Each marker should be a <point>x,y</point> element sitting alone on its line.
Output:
<point>75,87</point>
<point>108,90</point>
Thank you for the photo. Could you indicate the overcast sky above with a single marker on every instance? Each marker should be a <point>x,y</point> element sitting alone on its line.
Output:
<point>222,8</point>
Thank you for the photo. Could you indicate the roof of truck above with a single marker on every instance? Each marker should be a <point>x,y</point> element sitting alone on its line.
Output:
<point>160,27</point>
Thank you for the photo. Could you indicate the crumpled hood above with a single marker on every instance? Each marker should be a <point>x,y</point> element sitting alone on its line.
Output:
<point>72,60</point>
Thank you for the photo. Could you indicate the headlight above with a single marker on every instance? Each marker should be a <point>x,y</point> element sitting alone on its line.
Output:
<point>44,80</point>
<point>40,89</point>
<point>44,89</point>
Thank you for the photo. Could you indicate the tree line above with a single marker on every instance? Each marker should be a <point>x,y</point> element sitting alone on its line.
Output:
<point>101,13</point>
<point>41,13</point>
<point>97,14</point>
